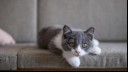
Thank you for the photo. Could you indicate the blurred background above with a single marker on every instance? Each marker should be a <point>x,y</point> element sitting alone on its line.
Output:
<point>24,18</point>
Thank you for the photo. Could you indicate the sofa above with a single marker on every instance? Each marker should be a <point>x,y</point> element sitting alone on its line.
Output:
<point>23,19</point>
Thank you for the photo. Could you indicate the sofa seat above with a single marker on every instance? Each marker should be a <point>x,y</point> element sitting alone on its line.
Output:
<point>8,56</point>
<point>29,56</point>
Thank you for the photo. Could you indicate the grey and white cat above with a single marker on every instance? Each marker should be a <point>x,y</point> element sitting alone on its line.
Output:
<point>68,42</point>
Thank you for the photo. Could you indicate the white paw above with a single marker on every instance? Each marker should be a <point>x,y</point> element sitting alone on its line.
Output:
<point>95,50</point>
<point>74,61</point>
<point>95,42</point>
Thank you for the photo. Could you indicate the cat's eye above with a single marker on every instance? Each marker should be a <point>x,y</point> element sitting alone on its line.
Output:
<point>71,44</point>
<point>84,45</point>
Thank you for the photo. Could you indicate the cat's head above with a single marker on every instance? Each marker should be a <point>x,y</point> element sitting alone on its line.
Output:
<point>77,42</point>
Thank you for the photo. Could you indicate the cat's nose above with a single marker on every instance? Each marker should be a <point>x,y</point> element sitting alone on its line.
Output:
<point>77,51</point>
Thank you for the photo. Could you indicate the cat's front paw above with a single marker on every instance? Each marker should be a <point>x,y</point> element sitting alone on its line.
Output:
<point>74,61</point>
<point>95,51</point>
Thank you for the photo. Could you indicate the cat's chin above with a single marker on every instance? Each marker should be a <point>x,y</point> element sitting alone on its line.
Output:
<point>79,55</point>
<point>76,55</point>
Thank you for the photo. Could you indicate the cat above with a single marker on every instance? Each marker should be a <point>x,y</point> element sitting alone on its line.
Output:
<point>68,42</point>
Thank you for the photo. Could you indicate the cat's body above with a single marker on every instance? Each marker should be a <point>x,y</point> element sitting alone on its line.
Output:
<point>70,43</point>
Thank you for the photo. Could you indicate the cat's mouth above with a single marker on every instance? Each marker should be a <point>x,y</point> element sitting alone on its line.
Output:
<point>76,54</point>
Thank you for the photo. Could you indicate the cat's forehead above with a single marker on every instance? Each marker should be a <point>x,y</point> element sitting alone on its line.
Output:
<point>78,35</point>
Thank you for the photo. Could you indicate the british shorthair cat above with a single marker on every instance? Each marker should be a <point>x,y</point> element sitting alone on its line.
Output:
<point>68,42</point>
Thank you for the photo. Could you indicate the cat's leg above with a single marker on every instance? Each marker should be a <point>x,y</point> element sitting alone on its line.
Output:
<point>95,50</point>
<point>74,61</point>
<point>95,42</point>
<point>52,47</point>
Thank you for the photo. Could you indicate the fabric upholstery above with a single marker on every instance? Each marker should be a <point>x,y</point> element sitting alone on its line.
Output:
<point>18,17</point>
<point>114,55</point>
<point>5,38</point>
<point>8,57</point>
<point>33,57</point>
<point>109,17</point>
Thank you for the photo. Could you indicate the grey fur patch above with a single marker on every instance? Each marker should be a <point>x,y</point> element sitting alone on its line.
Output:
<point>45,36</point>
<point>52,47</point>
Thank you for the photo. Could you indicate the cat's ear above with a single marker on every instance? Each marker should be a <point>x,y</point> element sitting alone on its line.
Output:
<point>90,32</point>
<point>66,30</point>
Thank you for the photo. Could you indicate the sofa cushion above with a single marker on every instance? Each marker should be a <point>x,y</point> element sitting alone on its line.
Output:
<point>8,56</point>
<point>109,17</point>
<point>114,55</point>
<point>34,57</point>
<point>18,17</point>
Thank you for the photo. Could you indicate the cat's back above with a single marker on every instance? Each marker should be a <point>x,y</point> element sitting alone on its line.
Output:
<point>46,34</point>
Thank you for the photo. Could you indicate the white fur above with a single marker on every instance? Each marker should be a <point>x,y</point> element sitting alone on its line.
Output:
<point>79,50</point>
<point>95,42</point>
<point>72,58</point>
<point>74,61</point>
<point>95,49</point>
<point>58,40</point>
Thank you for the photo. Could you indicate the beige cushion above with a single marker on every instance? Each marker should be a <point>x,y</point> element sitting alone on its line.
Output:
<point>5,38</point>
